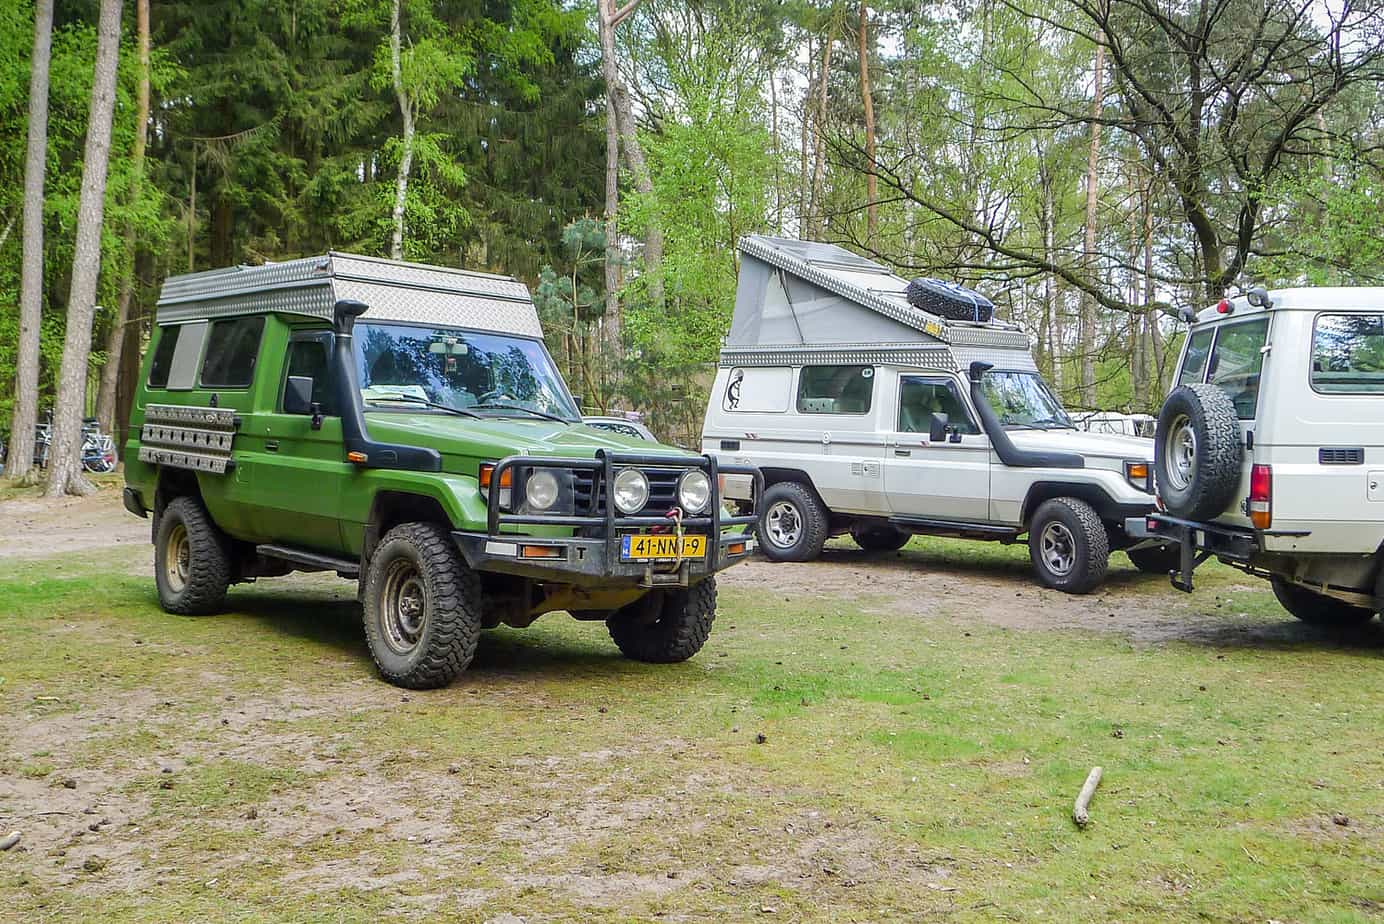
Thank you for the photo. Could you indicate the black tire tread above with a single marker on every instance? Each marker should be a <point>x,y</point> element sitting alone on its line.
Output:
<point>1318,610</point>
<point>209,574</point>
<point>816,522</point>
<point>1221,451</point>
<point>455,595</point>
<point>1086,576</point>
<point>879,537</point>
<point>678,631</point>
<point>1155,559</point>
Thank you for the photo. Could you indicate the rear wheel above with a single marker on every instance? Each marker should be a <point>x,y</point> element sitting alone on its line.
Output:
<point>879,537</point>
<point>792,523</point>
<point>422,607</point>
<point>1068,545</point>
<point>192,559</point>
<point>1319,610</point>
<point>665,626</point>
<point>1156,559</point>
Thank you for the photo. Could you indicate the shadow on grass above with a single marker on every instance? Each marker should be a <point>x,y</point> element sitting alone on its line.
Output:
<point>981,564</point>
<point>1287,635</point>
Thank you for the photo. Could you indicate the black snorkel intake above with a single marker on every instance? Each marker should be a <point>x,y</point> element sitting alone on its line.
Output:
<point>1010,454</point>
<point>360,448</point>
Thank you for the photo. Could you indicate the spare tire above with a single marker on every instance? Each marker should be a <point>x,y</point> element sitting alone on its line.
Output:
<point>1197,452</point>
<point>951,301</point>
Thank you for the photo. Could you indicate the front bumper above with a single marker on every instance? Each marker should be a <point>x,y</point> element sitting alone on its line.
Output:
<point>593,557</point>
<point>1197,541</point>
<point>588,562</point>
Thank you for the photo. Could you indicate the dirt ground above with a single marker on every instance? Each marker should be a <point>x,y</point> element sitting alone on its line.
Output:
<point>36,527</point>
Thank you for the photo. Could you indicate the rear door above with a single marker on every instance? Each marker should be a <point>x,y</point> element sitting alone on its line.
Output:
<point>944,480</point>
<point>299,477</point>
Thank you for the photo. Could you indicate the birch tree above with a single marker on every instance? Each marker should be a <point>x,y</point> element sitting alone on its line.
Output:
<point>1086,327</point>
<point>65,470</point>
<point>21,452</point>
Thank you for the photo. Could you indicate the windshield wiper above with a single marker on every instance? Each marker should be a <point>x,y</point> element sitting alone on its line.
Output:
<point>414,399</point>
<point>1053,423</point>
<point>527,410</point>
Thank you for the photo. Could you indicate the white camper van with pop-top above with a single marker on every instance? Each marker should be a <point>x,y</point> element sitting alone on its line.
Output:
<point>883,408</point>
<point>1270,448</point>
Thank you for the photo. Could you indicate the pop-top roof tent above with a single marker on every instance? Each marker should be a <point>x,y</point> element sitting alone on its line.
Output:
<point>802,302</point>
<point>393,290</point>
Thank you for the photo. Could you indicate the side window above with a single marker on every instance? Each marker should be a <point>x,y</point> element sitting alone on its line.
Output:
<point>835,389</point>
<point>1236,362</point>
<point>920,398</point>
<point>1348,354</point>
<point>162,363</point>
<point>309,357</point>
<point>1194,365</point>
<point>758,390</point>
<point>232,348</point>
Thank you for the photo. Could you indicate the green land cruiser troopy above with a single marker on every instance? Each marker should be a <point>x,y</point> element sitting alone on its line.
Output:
<point>404,425</point>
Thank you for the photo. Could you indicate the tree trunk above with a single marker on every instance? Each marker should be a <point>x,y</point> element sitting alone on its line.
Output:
<point>1087,326</point>
<point>612,224</point>
<point>21,454</point>
<point>804,178</point>
<point>1153,344</point>
<point>818,154</point>
<point>65,473</point>
<point>115,341</point>
<point>778,157</point>
<point>396,246</point>
<point>618,96</point>
<point>871,179</point>
<point>1051,311</point>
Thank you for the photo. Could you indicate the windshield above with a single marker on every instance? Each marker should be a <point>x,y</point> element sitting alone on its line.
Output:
<point>399,363</point>
<point>1022,399</point>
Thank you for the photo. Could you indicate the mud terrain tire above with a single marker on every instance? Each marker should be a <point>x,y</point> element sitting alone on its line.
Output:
<point>879,537</point>
<point>793,524</point>
<point>1313,608</point>
<point>1068,545</point>
<point>1156,559</point>
<point>665,626</point>
<point>1198,452</point>
<point>422,607</point>
<point>192,560</point>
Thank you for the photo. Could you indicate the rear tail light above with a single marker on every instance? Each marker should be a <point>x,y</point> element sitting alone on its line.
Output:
<point>1261,496</point>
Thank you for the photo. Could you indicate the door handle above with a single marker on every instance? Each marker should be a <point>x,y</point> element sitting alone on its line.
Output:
<point>271,446</point>
<point>903,452</point>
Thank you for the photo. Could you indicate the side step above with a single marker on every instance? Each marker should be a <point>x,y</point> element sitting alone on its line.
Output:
<point>311,561</point>
<point>931,527</point>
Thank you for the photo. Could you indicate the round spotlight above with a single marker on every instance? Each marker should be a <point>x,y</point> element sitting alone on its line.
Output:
<point>694,491</point>
<point>631,490</point>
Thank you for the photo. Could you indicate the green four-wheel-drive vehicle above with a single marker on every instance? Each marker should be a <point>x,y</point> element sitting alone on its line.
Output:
<point>404,425</point>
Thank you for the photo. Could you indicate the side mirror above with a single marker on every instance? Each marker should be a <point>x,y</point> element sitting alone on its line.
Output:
<point>298,395</point>
<point>938,426</point>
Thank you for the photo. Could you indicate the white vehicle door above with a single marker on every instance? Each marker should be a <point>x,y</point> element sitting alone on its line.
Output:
<point>946,480</point>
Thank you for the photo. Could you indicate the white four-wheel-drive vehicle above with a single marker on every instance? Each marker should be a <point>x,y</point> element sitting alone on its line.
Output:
<point>884,408</point>
<point>1270,448</point>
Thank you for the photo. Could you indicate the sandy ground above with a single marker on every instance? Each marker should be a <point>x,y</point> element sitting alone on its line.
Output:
<point>36,528</point>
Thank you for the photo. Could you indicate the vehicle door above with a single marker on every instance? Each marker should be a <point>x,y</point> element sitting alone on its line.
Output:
<point>837,409</point>
<point>299,477</point>
<point>947,479</point>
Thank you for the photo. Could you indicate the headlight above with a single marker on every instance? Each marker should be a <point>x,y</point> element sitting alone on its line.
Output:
<point>694,491</point>
<point>1137,474</point>
<point>542,489</point>
<point>631,490</point>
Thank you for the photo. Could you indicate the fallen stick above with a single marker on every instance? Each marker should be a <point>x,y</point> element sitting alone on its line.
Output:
<point>9,840</point>
<point>1079,813</point>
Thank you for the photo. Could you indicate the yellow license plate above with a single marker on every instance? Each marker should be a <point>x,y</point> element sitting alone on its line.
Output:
<point>649,548</point>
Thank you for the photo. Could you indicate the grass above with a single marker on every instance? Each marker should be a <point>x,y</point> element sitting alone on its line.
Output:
<point>912,765</point>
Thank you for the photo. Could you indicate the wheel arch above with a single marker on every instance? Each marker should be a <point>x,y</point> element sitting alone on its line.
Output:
<point>389,508</point>
<point>1106,507</point>
<point>775,475</point>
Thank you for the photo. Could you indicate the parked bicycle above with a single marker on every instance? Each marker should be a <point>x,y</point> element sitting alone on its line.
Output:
<point>98,449</point>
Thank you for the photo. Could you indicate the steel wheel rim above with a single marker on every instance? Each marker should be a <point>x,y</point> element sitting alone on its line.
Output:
<point>784,525</point>
<point>177,558</point>
<point>404,607</point>
<point>1057,546</point>
<point>1180,449</point>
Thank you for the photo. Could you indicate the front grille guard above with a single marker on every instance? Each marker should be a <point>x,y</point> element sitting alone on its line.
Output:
<point>603,468</point>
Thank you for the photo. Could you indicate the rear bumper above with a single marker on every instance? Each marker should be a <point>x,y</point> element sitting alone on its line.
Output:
<point>1199,541</point>
<point>589,562</point>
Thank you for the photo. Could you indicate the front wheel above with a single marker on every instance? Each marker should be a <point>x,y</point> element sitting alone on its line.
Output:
<point>1068,545</point>
<point>422,607</point>
<point>1318,609</point>
<point>665,626</point>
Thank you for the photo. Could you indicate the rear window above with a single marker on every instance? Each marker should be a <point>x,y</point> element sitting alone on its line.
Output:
<point>1348,354</point>
<point>162,362</point>
<point>232,347</point>
<point>1236,362</point>
<point>1194,363</point>
<point>835,389</point>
